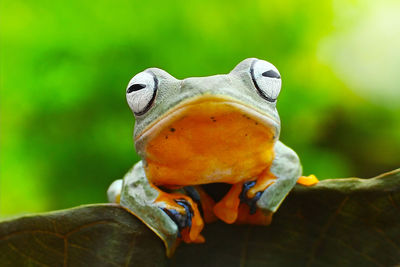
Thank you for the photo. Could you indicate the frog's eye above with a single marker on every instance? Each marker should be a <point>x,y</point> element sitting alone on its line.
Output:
<point>266,79</point>
<point>141,92</point>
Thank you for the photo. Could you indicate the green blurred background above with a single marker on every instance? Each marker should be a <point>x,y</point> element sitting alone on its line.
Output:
<point>66,130</point>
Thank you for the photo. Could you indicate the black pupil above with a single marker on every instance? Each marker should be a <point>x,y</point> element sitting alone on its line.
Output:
<point>271,74</point>
<point>135,87</point>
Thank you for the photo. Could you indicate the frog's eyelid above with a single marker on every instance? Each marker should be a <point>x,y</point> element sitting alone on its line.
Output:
<point>135,87</point>
<point>271,74</point>
<point>260,92</point>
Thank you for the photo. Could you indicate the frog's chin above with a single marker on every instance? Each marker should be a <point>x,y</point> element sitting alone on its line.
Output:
<point>212,107</point>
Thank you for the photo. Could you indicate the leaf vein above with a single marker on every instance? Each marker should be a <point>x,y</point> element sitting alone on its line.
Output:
<point>25,255</point>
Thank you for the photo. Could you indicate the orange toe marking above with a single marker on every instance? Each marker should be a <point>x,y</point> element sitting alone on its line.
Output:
<point>308,180</point>
<point>258,218</point>
<point>265,179</point>
<point>197,224</point>
<point>200,239</point>
<point>207,204</point>
<point>188,235</point>
<point>227,208</point>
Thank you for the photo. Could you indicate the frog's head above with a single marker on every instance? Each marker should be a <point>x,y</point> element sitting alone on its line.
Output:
<point>206,110</point>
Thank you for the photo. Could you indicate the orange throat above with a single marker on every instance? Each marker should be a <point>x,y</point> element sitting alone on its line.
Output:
<point>208,142</point>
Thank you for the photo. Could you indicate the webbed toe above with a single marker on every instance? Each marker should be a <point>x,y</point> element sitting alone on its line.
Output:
<point>185,213</point>
<point>182,220</point>
<point>250,201</point>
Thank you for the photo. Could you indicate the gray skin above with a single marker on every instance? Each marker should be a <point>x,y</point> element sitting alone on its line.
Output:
<point>134,191</point>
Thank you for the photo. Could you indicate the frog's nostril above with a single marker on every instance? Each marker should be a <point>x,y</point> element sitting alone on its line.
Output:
<point>271,74</point>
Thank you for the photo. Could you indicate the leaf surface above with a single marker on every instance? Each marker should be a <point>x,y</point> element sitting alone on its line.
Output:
<point>90,235</point>
<point>338,222</point>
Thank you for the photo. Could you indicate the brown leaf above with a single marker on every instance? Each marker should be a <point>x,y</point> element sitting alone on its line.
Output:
<point>339,222</point>
<point>91,235</point>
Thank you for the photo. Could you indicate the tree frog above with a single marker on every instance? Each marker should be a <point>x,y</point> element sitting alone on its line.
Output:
<point>202,134</point>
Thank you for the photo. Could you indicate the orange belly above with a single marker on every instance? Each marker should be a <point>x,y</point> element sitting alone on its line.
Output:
<point>212,142</point>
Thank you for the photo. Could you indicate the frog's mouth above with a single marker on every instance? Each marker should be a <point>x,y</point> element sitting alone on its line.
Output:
<point>208,107</point>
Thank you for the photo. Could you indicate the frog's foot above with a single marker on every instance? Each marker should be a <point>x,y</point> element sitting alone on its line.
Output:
<point>257,218</point>
<point>250,201</point>
<point>307,180</point>
<point>185,213</point>
<point>253,190</point>
<point>203,201</point>
<point>227,208</point>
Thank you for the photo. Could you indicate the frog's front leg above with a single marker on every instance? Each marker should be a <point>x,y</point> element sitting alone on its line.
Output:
<point>242,198</point>
<point>255,201</point>
<point>227,209</point>
<point>184,212</point>
<point>172,216</point>
<point>287,169</point>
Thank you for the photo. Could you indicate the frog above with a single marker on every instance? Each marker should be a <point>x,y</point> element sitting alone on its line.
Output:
<point>199,132</point>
